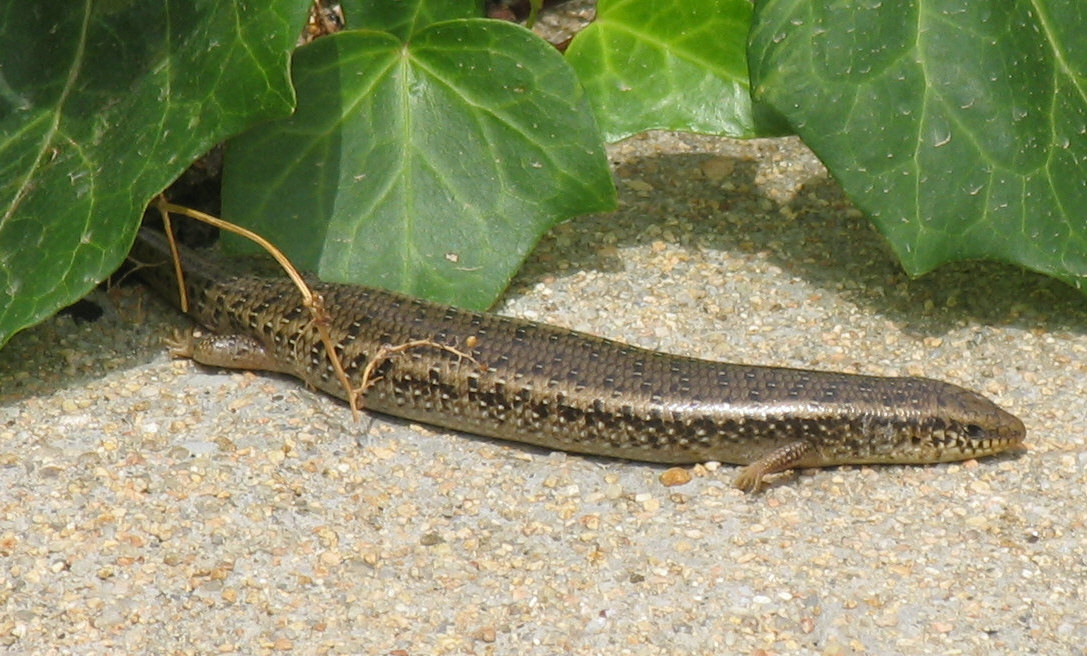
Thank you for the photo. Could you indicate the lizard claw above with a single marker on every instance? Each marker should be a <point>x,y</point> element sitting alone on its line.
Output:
<point>181,343</point>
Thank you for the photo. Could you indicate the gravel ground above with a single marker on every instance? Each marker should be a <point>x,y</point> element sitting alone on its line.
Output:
<point>156,506</point>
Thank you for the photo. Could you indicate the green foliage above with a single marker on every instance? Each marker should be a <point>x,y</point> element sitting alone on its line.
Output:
<point>104,104</point>
<point>402,19</point>
<point>429,166</point>
<point>960,128</point>
<point>667,65</point>
<point>432,148</point>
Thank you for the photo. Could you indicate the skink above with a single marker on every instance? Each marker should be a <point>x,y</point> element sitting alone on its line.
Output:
<point>561,389</point>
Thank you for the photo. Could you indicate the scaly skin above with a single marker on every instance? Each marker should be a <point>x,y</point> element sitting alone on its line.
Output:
<point>539,384</point>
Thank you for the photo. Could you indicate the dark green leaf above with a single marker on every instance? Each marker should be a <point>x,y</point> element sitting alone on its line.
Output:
<point>670,65</point>
<point>958,127</point>
<point>406,17</point>
<point>102,104</point>
<point>433,165</point>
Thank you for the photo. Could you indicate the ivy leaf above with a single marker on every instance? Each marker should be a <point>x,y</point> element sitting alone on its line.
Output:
<point>103,104</point>
<point>960,128</point>
<point>406,17</point>
<point>429,166</point>
<point>668,65</point>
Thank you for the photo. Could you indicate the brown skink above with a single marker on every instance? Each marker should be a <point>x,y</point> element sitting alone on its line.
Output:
<point>561,389</point>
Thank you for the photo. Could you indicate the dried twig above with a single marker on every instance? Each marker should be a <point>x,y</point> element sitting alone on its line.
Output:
<point>388,350</point>
<point>312,300</point>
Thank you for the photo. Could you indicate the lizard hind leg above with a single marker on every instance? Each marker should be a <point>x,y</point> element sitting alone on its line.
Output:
<point>778,460</point>
<point>226,351</point>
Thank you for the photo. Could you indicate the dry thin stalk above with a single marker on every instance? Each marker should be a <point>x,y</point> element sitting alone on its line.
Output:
<point>313,301</point>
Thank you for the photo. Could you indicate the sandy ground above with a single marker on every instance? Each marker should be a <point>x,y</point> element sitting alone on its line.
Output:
<point>157,506</point>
